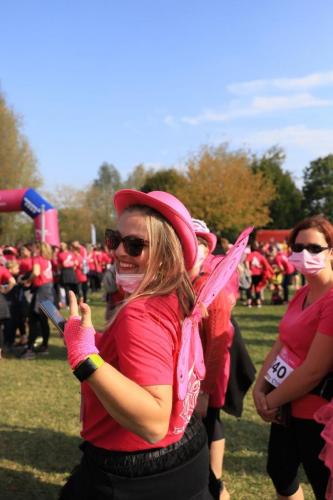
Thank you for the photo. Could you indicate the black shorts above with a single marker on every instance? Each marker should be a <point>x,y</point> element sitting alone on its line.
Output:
<point>213,424</point>
<point>288,447</point>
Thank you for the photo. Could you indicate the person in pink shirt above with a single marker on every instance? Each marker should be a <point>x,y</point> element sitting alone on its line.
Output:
<point>95,269</point>
<point>80,269</point>
<point>41,282</point>
<point>141,439</point>
<point>294,381</point>
<point>216,332</point>
<point>260,270</point>
<point>7,283</point>
<point>66,265</point>
<point>288,270</point>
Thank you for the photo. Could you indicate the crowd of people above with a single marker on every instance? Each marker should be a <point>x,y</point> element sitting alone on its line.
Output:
<point>152,394</point>
<point>34,272</point>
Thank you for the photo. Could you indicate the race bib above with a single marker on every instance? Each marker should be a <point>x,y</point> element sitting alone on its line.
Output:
<point>283,365</point>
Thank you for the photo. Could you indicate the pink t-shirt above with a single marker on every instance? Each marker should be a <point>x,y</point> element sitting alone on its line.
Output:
<point>282,261</point>
<point>5,275</point>
<point>45,275</point>
<point>80,276</point>
<point>143,344</point>
<point>297,329</point>
<point>257,263</point>
<point>66,259</point>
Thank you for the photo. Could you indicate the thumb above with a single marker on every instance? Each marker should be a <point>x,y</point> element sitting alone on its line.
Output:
<point>73,308</point>
<point>86,315</point>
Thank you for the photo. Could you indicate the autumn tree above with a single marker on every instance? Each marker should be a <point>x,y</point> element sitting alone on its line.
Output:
<point>18,168</point>
<point>318,187</point>
<point>286,209</point>
<point>169,180</point>
<point>137,178</point>
<point>222,189</point>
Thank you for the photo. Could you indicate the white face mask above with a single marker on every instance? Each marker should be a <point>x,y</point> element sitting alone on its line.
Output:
<point>128,282</point>
<point>306,262</point>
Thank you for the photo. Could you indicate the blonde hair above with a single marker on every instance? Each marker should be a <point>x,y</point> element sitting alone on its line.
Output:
<point>44,248</point>
<point>166,272</point>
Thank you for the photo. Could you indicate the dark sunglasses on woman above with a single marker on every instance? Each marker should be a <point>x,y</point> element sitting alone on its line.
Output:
<point>310,247</point>
<point>132,244</point>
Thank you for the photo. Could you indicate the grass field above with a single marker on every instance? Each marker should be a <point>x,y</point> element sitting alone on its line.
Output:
<point>39,420</point>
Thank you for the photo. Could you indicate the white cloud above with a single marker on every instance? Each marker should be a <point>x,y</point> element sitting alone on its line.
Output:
<point>169,120</point>
<point>290,84</point>
<point>258,106</point>
<point>318,142</point>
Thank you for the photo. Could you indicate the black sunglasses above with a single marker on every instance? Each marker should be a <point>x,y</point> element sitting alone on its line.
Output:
<point>311,247</point>
<point>132,244</point>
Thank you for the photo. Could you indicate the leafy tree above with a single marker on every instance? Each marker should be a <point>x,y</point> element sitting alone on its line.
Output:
<point>137,177</point>
<point>286,208</point>
<point>164,180</point>
<point>18,167</point>
<point>318,187</point>
<point>75,217</point>
<point>99,197</point>
<point>222,189</point>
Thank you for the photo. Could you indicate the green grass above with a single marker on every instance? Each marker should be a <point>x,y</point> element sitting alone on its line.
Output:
<point>39,420</point>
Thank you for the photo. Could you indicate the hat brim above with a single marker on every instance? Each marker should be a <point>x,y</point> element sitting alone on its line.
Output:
<point>210,238</point>
<point>128,197</point>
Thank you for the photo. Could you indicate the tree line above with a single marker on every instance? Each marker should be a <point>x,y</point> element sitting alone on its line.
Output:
<point>228,189</point>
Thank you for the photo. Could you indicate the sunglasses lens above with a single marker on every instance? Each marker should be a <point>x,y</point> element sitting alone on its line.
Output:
<point>133,246</point>
<point>315,248</point>
<point>297,247</point>
<point>112,239</point>
<point>311,247</point>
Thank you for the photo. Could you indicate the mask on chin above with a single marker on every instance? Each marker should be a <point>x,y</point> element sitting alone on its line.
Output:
<point>306,262</point>
<point>128,282</point>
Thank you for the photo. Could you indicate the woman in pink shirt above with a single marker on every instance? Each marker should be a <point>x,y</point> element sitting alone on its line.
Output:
<point>294,381</point>
<point>41,281</point>
<point>141,439</point>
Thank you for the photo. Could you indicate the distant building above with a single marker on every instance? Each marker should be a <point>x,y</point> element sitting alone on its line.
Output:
<point>266,235</point>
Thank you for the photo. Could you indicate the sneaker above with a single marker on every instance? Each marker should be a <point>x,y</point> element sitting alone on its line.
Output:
<point>42,349</point>
<point>28,355</point>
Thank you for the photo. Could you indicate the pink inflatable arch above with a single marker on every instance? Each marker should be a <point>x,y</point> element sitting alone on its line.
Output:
<point>45,217</point>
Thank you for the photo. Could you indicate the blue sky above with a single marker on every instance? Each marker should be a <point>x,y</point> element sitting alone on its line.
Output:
<point>150,81</point>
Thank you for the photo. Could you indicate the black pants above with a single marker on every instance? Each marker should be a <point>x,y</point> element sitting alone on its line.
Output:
<point>286,281</point>
<point>74,287</point>
<point>300,443</point>
<point>83,290</point>
<point>188,480</point>
<point>38,325</point>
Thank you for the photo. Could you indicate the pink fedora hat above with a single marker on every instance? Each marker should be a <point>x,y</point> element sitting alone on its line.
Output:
<point>201,229</point>
<point>171,208</point>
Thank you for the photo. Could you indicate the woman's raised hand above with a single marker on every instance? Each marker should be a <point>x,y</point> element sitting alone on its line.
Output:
<point>79,332</point>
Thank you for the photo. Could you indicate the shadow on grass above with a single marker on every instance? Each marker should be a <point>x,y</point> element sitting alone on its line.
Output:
<point>259,342</point>
<point>246,448</point>
<point>45,451</point>
<point>42,449</point>
<point>18,485</point>
<point>253,318</point>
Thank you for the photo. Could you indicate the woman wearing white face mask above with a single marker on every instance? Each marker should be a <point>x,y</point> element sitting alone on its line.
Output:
<point>295,381</point>
<point>141,440</point>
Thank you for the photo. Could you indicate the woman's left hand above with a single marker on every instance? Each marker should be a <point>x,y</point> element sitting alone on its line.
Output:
<point>260,401</point>
<point>79,333</point>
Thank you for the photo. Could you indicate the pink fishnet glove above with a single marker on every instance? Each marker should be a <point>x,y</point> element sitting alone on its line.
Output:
<point>79,340</point>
